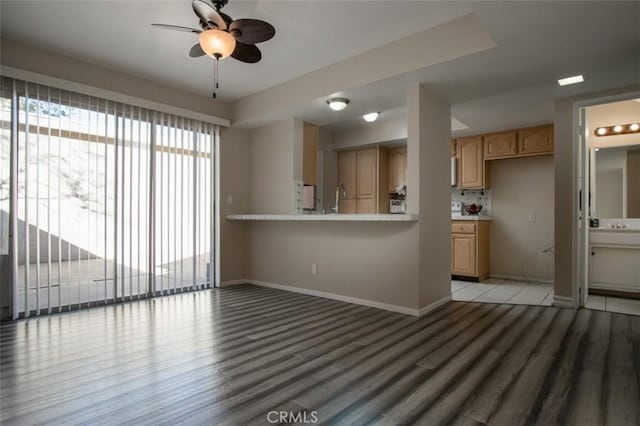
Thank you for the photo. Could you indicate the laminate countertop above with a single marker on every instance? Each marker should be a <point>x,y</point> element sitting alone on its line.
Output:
<point>326,217</point>
<point>476,218</point>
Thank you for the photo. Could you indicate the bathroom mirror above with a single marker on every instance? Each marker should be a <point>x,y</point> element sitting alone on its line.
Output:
<point>616,172</point>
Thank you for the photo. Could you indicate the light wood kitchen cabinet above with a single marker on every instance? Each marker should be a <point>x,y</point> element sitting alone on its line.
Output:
<point>364,175</point>
<point>471,165</point>
<point>470,249</point>
<point>310,140</point>
<point>535,140</point>
<point>500,145</point>
<point>347,173</point>
<point>397,168</point>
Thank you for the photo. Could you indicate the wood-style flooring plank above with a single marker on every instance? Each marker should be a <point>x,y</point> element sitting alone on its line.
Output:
<point>234,355</point>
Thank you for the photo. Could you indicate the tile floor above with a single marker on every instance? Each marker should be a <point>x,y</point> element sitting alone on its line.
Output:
<point>614,304</point>
<point>495,290</point>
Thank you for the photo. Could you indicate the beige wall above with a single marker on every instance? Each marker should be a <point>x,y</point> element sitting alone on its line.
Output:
<point>519,187</point>
<point>234,186</point>
<point>377,132</point>
<point>29,58</point>
<point>271,167</point>
<point>371,261</point>
<point>633,183</point>
<point>429,190</point>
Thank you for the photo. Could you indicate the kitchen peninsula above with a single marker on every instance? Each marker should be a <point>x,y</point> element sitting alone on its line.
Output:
<point>327,217</point>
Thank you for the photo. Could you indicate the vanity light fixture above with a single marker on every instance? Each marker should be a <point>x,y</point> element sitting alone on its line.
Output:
<point>338,104</point>
<point>618,129</point>
<point>371,117</point>
<point>571,80</point>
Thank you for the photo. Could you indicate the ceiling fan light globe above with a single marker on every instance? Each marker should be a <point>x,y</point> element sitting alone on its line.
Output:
<point>217,44</point>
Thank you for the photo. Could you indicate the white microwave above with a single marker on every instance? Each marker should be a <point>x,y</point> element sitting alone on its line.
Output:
<point>397,206</point>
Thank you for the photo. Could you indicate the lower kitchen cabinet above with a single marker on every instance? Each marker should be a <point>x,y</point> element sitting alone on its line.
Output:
<point>470,249</point>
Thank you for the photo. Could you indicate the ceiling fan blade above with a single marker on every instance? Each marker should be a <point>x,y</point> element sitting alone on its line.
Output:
<point>196,51</point>
<point>228,19</point>
<point>248,53</point>
<point>251,31</point>
<point>177,28</point>
<point>208,15</point>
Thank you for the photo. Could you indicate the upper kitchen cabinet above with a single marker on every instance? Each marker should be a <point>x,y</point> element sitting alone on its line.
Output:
<point>310,140</point>
<point>470,163</point>
<point>535,140</point>
<point>397,168</point>
<point>364,175</point>
<point>453,147</point>
<point>500,145</point>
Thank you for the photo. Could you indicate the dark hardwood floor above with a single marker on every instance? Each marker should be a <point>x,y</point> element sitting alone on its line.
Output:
<point>233,355</point>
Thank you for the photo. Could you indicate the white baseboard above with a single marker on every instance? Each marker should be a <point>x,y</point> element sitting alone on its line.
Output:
<point>517,278</point>
<point>433,306</point>
<point>348,299</point>
<point>233,282</point>
<point>564,302</point>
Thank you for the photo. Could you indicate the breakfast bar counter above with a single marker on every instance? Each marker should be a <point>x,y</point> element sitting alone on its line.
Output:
<point>326,217</point>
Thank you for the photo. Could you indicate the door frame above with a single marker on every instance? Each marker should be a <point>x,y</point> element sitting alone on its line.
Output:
<point>581,180</point>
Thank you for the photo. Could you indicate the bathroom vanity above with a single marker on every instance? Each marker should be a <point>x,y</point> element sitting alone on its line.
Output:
<point>614,262</point>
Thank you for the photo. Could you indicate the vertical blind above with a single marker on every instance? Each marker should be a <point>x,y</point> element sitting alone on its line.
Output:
<point>109,201</point>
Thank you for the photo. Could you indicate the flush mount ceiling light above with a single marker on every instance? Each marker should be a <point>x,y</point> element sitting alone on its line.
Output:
<point>371,117</point>
<point>618,129</point>
<point>338,104</point>
<point>571,80</point>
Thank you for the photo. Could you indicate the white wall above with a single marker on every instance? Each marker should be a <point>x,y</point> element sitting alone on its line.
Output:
<point>521,186</point>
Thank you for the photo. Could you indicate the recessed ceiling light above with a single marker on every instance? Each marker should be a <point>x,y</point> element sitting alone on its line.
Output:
<point>338,104</point>
<point>571,80</point>
<point>371,117</point>
<point>617,128</point>
<point>634,127</point>
<point>601,131</point>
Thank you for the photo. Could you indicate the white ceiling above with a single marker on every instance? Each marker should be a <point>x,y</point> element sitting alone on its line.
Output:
<point>508,86</point>
<point>309,35</point>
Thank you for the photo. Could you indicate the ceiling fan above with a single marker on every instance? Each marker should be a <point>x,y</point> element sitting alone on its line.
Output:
<point>219,36</point>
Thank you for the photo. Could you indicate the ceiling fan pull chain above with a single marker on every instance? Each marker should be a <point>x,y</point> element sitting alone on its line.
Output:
<point>215,78</point>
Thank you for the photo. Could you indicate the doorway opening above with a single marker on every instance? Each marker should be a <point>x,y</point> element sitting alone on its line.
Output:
<point>609,183</point>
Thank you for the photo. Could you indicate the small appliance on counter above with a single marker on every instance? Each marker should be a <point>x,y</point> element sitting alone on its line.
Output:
<point>397,206</point>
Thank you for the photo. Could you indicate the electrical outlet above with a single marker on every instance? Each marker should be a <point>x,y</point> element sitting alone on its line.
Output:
<point>532,217</point>
<point>314,269</point>
<point>229,199</point>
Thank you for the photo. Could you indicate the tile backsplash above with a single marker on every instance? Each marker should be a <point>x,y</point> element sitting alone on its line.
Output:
<point>474,196</point>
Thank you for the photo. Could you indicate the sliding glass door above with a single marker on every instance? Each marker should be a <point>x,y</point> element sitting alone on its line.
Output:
<point>108,202</point>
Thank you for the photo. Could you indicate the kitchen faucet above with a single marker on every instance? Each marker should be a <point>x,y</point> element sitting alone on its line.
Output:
<point>344,195</point>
